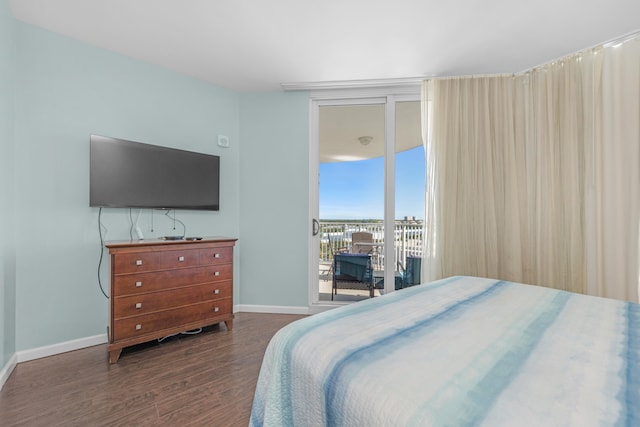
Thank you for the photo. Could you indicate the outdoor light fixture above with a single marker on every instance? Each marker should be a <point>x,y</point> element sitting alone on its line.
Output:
<point>365,140</point>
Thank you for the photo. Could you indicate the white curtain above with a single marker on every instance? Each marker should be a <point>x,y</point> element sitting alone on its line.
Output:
<point>614,179</point>
<point>534,177</point>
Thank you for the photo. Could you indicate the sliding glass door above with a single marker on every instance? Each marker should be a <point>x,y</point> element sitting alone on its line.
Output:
<point>356,145</point>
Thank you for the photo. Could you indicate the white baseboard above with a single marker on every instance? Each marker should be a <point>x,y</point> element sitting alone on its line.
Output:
<point>7,369</point>
<point>273,309</point>
<point>284,309</point>
<point>63,347</point>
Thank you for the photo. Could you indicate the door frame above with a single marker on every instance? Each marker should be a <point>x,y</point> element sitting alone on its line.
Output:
<point>388,96</point>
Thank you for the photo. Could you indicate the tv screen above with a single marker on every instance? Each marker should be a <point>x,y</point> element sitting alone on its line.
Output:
<point>135,175</point>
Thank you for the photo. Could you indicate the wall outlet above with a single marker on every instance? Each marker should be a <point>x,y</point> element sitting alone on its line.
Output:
<point>223,141</point>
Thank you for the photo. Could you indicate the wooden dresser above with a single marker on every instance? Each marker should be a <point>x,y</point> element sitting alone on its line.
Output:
<point>163,287</point>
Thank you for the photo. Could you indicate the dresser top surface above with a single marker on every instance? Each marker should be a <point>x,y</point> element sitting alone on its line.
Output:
<point>115,244</point>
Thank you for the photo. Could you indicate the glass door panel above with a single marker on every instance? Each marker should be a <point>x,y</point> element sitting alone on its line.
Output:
<point>351,200</point>
<point>409,193</point>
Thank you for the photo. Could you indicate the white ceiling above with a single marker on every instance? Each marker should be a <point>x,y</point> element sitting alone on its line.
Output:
<point>255,45</point>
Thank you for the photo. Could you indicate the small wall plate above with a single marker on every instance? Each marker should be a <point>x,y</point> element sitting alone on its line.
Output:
<point>223,141</point>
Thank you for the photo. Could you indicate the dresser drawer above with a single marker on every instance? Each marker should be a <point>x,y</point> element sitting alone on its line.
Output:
<point>151,261</point>
<point>220,255</point>
<point>151,323</point>
<point>135,305</point>
<point>128,284</point>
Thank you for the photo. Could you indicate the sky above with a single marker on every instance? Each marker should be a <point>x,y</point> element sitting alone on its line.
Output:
<point>355,190</point>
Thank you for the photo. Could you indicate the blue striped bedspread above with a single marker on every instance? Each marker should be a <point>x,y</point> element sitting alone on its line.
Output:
<point>461,351</point>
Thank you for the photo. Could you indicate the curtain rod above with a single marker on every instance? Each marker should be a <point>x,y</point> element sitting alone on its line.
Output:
<point>620,40</point>
<point>610,43</point>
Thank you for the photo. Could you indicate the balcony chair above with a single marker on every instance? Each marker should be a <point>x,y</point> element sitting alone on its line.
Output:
<point>361,237</point>
<point>352,271</point>
<point>405,276</point>
<point>413,265</point>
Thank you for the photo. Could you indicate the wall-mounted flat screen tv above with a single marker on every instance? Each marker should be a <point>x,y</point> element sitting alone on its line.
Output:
<point>134,175</point>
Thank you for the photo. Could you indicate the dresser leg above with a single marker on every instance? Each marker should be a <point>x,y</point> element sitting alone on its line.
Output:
<point>114,355</point>
<point>229,324</point>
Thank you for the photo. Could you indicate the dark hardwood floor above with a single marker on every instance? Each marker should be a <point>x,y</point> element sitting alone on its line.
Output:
<point>188,380</point>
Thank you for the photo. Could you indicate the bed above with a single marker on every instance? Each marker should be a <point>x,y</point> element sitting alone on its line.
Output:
<point>460,351</point>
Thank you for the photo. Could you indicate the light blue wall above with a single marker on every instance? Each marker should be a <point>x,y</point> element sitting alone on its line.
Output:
<point>55,93</point>
<point>7,241</point>
<point>274,188</point>
<point>66,91</point>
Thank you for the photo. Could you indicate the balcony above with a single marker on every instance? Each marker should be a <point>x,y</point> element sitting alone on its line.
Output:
<point>336,236</point>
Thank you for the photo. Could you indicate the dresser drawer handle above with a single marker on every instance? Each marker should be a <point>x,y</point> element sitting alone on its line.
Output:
<point>216,309</point>
<point>138,262</point>
<point>138,284</point>
<point>138,327</point>
<point>216,291</point>
<point>181,259</point>
<point>217,273</point>
<point>138,305</point>
<point>216,255</point>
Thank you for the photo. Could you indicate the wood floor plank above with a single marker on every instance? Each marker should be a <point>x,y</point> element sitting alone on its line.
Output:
<point>185,380</point>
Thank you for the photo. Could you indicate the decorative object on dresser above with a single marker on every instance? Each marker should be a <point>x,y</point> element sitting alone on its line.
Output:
<point>161,287</point>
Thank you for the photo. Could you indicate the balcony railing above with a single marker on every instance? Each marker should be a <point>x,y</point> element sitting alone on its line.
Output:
<point>336,236</point>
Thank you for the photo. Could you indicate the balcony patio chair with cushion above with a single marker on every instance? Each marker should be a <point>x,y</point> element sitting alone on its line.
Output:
<point>413,265</point>
<point>409,274</point>
<point>352,271</point>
